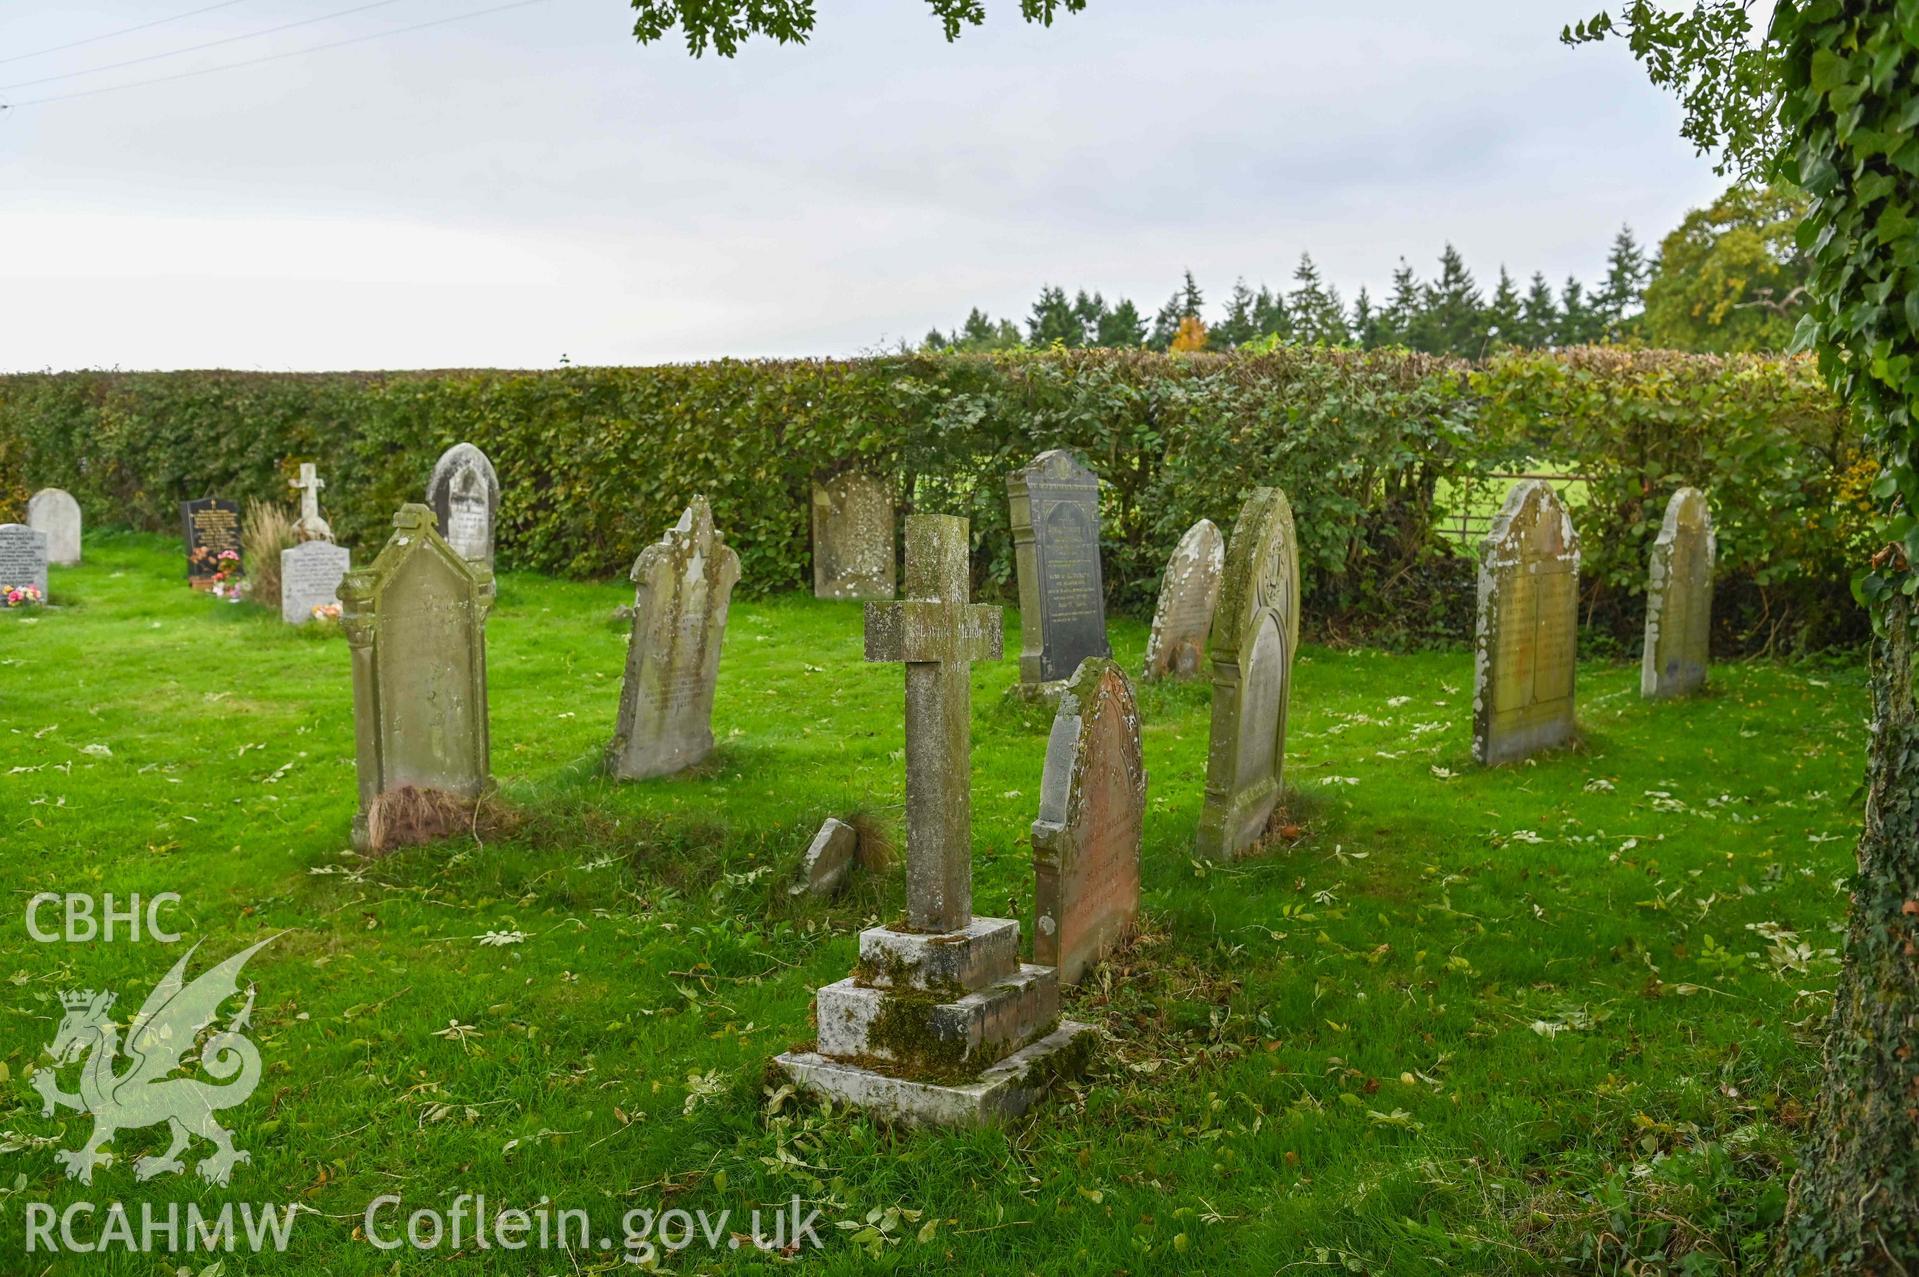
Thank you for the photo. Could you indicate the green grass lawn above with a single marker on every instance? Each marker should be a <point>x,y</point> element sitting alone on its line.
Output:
<point>1552,1017</point>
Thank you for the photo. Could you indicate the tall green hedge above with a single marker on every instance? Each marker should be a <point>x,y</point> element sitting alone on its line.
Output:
<point>594,462</point>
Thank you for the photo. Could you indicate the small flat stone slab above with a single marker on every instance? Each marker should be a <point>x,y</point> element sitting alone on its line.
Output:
<point>1005,1090</point>
<point>829,859</point>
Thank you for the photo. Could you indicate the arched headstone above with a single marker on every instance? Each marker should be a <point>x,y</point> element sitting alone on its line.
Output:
<point>464,492</point>
<point>1526,633</point>
<point>55,512</point>
<point>1062,600</point>
<point>1679,599</point>
<point>1188,593</point>
<point>1255,635</point>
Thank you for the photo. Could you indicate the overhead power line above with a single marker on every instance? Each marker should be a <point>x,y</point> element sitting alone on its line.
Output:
<point>273,57</point>
<point>95,39</point>
<point>195,48</point>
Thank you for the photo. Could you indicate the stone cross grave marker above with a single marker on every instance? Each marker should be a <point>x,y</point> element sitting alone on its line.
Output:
<point>23,557</point>
<point>853,538</point>
<point>310,576</point>
<point>55,512</point>
<point>310,526</point>
<point>415,622</point>
<point>1188,593</point>
<point>940,1022</point>
<point>1254,640</point>
<point>683,584</point>
<point>1679,599</point>
<point>464,492</point>
<point>1527,627</point>
<point>212,529</point>
<point>1062,601</point>
<point>1092,808</point>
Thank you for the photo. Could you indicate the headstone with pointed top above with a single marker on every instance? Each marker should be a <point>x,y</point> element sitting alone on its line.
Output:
<point>55,512</point>
<point>1255,637</point>
<point>310,526</point>
<point>464,492</point>
<point>1092,808</point>
<point>1527,627</point>
<point>1679,599</point>
<point>1188,593</point>
<point>682,585</point>
<point>940,1023</point>
<point>1062,598</point>
<point>853,538</point>
<point>415,621</point>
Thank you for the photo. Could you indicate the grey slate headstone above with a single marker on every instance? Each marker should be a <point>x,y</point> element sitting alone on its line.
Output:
<point>23,557</point>
<point>55,512</point>
<point>464,492</point>
<point>310,576</point>
<point>1062,599</point>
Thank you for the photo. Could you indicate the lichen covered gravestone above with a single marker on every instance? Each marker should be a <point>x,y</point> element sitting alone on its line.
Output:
<point>1092,808</point>
<point>23,558</point>
<point>213,539</point>
<point>1527,626</point>
<point>464,492</point>
<point>853,538</point>
<point>310,526</point>
<point>1188,593</point>
<point>1255,636</point>
<point>1679,599</point>
<point>940,1022</point>
<point>1062,602</point>
<point>55,512</point>
<point>829,859</point>
<point>310,576</point>
<point>416,624</point>
<point>683,583</point>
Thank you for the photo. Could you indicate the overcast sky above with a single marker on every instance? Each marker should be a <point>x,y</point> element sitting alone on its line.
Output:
<point>517,187</point>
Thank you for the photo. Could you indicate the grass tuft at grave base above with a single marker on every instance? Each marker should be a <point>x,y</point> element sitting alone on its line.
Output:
<point>1560,1016</point>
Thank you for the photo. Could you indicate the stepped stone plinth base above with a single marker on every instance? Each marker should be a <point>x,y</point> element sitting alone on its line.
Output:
<point>941,1028</point>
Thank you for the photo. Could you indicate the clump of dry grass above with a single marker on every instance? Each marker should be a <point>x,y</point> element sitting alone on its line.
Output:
<point>411,814</point>
<point>266,530</point>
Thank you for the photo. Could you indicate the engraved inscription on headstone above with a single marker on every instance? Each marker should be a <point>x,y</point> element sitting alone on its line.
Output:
<point>1527,627</point>
<point>464,492</point>
<point>1092,808</point>
<point>310,576</point>
<point>1254,640</point>
<point>1062,600</point>
<point>683,584</point>
<point>212,531</point>
<point>55,512</point>
<point>1188,594</point>
<point>23,557</point>
<point>1679,599</point>
<point>853,538</point>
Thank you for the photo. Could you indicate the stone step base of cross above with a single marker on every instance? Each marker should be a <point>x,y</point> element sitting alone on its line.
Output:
<point>1002,1091</point>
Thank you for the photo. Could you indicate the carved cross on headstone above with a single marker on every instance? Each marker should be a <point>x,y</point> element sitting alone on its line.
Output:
<point>937,634</point>
<point>311,526</point>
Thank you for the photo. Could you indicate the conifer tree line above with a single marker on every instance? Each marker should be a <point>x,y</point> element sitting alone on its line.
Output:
<point>1451,313</point>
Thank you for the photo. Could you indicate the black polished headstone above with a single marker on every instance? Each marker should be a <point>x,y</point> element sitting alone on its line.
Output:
<point>1062,600</point>
<point>212,527</point>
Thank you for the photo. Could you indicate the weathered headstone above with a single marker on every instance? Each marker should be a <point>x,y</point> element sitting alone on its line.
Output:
<point>55,512</point>
<point>416,623</point>
<point>23,558</point>
<point>940,1022</point>
<point>1092,808</point>
<point>1527,627</point>
<point>1679,599</point>
<point>1255,636</point>
<point>853,538</point>
<point>1062,602</point>
<point>310,576</point>
<point>1187,595</point>
<point>213,540</point>
<point>464,492</point>
<point>829,859</point>
<point>310,526</point>
<point>683,583</point>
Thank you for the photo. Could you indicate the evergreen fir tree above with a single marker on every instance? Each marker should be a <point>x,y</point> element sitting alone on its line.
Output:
<point>1318,318</point>
<point>1053,321</point>
<point>1579,323</point>
<point>1621,299</point>
<point>1183,304</point>
<point>1454,318</point>
<point>1365,326</point>
<point>1402,310</point>
<point>1090,312</point>
<point>1270,316</point>
<point>1122,328</point>
<point>1539,315</point>
<point>1237,328</point>
<point>1505,325</point>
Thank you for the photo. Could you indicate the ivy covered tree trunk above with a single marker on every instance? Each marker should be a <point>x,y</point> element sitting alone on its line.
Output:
<point>1856,1197</point>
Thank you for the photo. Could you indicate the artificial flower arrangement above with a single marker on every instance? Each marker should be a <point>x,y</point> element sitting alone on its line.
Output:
<point>326,611</point>
<point>227,581</point>
<point>22,595</point>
